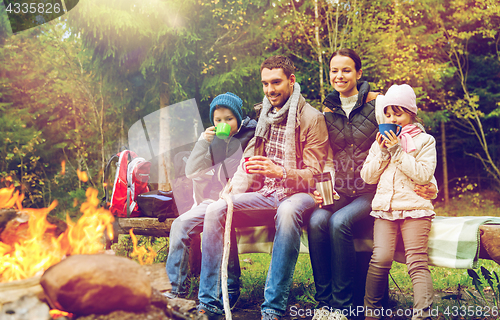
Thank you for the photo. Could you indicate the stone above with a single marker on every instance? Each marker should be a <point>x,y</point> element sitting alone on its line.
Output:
<point>96,284</point>
<point>12,290</point>
<point>26,308</point>
<point>158,276</point>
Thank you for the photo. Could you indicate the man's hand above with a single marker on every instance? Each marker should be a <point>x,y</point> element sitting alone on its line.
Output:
<point>317,198</point>
<point>428,192</point>
<point>264,165</point>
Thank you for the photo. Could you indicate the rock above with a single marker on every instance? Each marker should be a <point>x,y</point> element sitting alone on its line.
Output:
<point>14,226</point>
<point>158,276</point>
<point>14,290</point>
<point>25,308</point>
<point>5,216</point>
<point>96,284</point>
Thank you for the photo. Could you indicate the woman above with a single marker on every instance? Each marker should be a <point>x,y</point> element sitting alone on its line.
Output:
<point>352,125</point>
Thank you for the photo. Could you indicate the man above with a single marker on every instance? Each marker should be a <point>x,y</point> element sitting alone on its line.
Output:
<point>290,146</point>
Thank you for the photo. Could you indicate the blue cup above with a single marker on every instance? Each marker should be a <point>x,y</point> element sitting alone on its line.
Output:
<point>383,127</point>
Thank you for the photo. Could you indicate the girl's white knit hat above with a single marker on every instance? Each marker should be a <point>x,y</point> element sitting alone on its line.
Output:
<point>400,95</point>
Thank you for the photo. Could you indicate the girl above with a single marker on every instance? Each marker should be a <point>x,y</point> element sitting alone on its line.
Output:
<point>397,163</point>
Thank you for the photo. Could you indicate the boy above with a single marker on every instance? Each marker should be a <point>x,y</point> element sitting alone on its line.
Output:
<point>223,157</point>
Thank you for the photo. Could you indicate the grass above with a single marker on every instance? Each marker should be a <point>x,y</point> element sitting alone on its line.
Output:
<point>452,286</point>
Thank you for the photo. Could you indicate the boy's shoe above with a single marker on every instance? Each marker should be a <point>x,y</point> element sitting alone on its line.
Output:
<point>270,316</point>
<point>170,295</point>
<point>202,311</point>
<point>173,295</point>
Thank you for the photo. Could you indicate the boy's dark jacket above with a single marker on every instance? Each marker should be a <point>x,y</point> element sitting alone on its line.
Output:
<point>222,155</point>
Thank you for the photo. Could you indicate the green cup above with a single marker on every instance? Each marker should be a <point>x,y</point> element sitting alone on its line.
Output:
<point>222,130</point>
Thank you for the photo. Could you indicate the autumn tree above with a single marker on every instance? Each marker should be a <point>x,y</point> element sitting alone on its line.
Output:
<point>50,92</point>
<point>466,26</point>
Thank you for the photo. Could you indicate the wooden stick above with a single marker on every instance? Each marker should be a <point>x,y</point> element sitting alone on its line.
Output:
<point>227,245</point>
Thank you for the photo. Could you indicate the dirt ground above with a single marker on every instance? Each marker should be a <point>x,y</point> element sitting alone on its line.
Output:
<point>252,312</point>
<point>184,309</point>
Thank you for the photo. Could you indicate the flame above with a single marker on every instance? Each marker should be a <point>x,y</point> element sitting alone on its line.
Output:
<point>63,167</point>
<point>141,253</point>
<point>82,175</point>
<point>33,248</point>
<point>9,198</point>
<point>85,236</point>
<point>54,313</point>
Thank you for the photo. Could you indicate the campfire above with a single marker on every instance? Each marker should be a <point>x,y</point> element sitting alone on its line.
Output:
<point>37,249</point>
<point>30,244</point>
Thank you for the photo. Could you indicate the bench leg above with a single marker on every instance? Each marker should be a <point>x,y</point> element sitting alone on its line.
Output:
<point>195,256</point>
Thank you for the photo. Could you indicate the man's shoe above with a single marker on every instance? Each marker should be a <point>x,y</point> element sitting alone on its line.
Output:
<point>233,299</point>
<point>270,316</point>
<point>202,311</point>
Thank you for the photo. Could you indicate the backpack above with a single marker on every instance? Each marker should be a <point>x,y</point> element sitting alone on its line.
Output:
<point>158,204</point>
<point>131,180</point>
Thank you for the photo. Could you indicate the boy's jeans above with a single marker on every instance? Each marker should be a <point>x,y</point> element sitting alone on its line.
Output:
<point>183,229</point>
<point>254,209</point>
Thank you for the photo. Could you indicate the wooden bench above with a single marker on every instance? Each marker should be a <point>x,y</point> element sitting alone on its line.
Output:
<point>489,235</point>
<point>489,245</point>
<point>154,228</point>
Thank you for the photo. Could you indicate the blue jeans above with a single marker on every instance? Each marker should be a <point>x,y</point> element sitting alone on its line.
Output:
<point>183,229</point>
<point>253,209</point>
<point>331,249</point>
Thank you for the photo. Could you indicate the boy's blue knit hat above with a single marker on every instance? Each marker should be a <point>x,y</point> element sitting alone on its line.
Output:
<point>230,101</point>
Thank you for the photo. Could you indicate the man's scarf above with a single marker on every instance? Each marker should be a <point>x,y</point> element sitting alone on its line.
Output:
<point>289,110</point>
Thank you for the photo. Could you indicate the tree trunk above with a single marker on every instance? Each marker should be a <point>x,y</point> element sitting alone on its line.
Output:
<point>164,158</point>
<point>445,165</point>
<point>123,137</point>
<point>319,50</point>
<point>101,129</point>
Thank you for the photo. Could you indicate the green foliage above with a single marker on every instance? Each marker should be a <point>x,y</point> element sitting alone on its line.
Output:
<point>476,282</point>
<point>69,204</point>
<point>70,89</point>
<point>125,246</point>
<point>487,278</point>
<point>494,283</point>
<point>467,200</point>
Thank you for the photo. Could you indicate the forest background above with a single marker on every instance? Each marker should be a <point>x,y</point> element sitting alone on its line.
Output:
<point>70,89</point>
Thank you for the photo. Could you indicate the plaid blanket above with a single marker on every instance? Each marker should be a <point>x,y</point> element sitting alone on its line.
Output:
<point>453,241</point>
